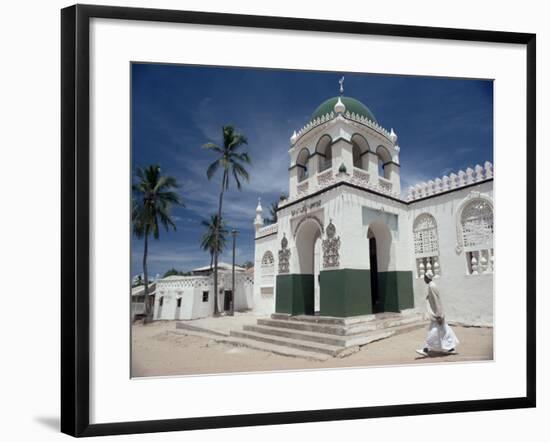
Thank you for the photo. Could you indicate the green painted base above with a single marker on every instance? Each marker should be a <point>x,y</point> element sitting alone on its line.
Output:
<point>294,294</point>
<point>345,292</point>
<point>396,291</point>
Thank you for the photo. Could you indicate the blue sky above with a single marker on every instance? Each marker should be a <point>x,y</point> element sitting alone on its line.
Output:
<point>443,125</point>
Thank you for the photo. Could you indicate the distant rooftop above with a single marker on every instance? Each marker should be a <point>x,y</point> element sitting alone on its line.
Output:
<point>221,266</point>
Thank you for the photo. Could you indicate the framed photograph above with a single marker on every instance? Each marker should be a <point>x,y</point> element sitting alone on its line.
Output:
<point>272,220</point>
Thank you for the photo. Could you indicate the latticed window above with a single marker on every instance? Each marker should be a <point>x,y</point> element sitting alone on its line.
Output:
<point>476,223</point>
<point>426,245</point>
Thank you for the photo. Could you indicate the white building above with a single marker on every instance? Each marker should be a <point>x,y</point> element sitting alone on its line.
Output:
<point>346,243</point>
<point>192,297</point>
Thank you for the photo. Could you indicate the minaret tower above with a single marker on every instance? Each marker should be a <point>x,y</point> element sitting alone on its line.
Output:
<point>259,221</point>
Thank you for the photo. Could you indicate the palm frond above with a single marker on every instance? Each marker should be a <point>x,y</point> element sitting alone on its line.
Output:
<point>212,169</point>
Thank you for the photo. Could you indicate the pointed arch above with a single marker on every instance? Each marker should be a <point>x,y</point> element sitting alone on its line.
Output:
<point>384,157</point>
<point>302,162</point>
<point>324,149</point>
<point>360,147</point>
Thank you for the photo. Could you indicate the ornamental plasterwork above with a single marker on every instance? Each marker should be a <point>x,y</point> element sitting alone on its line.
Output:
<point>267,259</point>
<point>284,256</point>
<point>331,248</point>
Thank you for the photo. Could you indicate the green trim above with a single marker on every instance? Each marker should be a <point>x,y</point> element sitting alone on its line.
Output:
<point>294,294</point>
<point>345,292</point>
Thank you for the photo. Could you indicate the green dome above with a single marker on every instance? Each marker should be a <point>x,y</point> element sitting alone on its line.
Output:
<point>352,105</point>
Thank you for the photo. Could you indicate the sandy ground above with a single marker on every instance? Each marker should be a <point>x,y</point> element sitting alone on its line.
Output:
<point>160,350</point>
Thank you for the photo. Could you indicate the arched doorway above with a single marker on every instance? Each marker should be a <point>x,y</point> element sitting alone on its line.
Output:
<point>379,238</point>
<point>374,293</point>
<point>308,247</point>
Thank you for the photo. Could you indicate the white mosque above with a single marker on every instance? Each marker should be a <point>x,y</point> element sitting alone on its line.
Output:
<point>346,243</point>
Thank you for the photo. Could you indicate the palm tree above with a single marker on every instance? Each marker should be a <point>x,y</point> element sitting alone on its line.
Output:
<point>231,161</point>
<point>273,209</point>
<point>152,200</point>
<point>208,240</point>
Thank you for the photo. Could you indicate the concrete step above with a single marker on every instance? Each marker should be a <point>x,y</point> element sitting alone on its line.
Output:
<point>186,326</point>
<point>317,347</point>
<point>376,323</point>
<point>332,320</point>
<point>323,338</point>
<point>253,344</point>
<point>293,333</point>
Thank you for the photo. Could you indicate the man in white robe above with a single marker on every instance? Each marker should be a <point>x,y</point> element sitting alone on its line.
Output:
<point>441,338</point>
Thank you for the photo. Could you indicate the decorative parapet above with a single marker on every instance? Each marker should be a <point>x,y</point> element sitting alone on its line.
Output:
<point>325,178</point>
<point>347,115</point>
<point>267,230</point>
<point>453,181</point>
<point>302,188</point>
<point>385,184</point>
<point>359,177</point>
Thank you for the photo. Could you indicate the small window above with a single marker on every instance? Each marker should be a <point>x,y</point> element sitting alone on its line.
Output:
<point>477,236</point>
<point>161,301</point>
<point>179,302</point>
<point>426,245</point>
<point>204,296</point>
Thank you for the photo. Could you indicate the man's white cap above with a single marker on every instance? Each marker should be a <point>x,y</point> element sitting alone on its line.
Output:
<point>429,274</point>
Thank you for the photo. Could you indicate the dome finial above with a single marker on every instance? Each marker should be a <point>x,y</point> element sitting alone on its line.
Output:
<point>339,107</point>
<point>341,81</point>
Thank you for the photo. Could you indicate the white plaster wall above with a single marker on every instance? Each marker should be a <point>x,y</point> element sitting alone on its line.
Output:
<point>190,289</point>
<point>263,301</point>
<point>343,205</point>
<point>466,298</point>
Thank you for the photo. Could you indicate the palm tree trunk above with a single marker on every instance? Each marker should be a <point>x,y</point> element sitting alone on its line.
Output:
<point>217,235</point>
<point>148,310</point>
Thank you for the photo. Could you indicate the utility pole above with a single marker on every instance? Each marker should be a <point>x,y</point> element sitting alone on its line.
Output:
<point>232,309</point>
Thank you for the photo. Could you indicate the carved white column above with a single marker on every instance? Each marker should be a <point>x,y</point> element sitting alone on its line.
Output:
<point>421,270</point>
<point>429,266</point>
<point>483,263</point>
<point>474,265</point>
<point>436,268</point>
<point>372,166</point>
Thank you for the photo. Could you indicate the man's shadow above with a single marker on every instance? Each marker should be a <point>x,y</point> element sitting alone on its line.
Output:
<point>436,355</point>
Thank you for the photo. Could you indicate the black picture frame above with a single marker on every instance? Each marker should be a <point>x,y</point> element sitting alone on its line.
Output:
<point>75,225</point>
